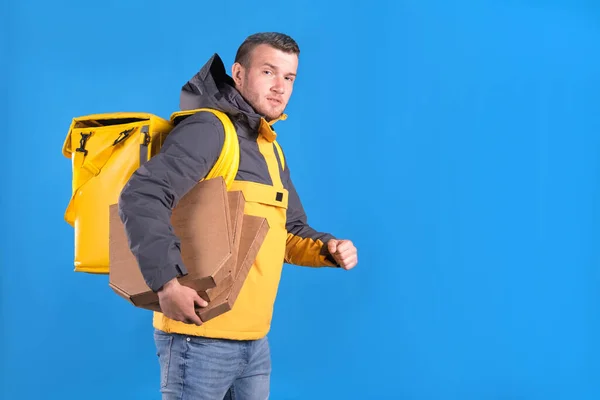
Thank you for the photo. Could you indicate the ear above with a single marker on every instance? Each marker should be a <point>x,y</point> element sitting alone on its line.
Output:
<point>237,73</point>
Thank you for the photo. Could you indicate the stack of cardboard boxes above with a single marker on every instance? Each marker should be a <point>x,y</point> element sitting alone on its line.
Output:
<point>219,244</point>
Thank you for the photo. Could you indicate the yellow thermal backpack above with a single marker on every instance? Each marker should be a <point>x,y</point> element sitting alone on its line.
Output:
<point>106,149</point>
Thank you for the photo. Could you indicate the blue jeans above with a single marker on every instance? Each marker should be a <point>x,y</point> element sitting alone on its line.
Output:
<point>201,368</point>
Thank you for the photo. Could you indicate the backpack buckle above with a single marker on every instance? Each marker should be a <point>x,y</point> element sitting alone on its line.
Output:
<point>82,142</point>
<point>122,136</point>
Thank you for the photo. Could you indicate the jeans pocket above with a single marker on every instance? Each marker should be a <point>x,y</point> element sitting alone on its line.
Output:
<point>163,351</point>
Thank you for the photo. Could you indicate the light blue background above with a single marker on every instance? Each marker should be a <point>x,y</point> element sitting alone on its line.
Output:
<point>455,142</point>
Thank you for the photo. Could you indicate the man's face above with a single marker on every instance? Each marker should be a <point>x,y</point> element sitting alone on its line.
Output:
<point>268,80</point>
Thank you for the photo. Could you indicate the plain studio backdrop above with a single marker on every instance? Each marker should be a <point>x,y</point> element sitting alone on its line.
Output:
<point>455,142</point>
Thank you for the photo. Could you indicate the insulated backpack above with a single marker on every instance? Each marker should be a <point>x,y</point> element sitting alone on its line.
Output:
<point>106,149</point>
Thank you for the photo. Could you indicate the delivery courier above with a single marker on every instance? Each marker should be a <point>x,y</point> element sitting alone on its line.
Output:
<point>224,356</point>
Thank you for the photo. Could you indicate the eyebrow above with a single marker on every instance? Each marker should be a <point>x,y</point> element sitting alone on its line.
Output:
<point>275,68</point>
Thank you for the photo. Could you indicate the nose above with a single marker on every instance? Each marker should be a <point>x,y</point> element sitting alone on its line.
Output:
<point>278,86</point>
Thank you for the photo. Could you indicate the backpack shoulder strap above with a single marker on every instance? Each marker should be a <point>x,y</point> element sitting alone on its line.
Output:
<point>229,160</point>
<point>280,152</point>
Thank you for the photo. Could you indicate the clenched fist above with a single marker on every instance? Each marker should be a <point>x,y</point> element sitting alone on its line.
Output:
<point>344,253</point>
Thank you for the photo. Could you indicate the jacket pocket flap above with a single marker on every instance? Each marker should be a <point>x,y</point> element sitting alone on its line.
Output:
<point>259,193</point>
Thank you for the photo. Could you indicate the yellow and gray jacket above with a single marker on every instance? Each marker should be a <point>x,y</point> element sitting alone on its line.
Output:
<point>263,176</point>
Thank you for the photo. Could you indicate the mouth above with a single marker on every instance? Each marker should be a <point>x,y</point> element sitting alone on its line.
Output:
<point>274,101</point>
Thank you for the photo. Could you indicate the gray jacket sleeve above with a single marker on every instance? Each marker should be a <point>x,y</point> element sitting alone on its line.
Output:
<point>147,199</point>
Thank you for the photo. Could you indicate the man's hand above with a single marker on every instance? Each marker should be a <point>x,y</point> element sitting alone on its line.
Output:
<point>344,253</point>
<point>178,302</point>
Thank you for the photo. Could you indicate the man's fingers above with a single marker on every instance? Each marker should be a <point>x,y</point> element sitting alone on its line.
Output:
<point>193,318</point>
<point>350,257</point>
<point>196,321</point>
<point>196,301</point>
<point>199,300</point>
<point>350,262</point>
<point>346,251</point>
<point>343,246</point>
<point>346,256</point>
<point>332,246</point>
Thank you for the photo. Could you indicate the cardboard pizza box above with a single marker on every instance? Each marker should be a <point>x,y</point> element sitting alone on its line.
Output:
<point>237,204</point>
<point>206,223</point>
<point>254,232</point>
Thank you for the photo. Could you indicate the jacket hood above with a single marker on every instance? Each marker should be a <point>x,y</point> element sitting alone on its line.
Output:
<point>212,87</point>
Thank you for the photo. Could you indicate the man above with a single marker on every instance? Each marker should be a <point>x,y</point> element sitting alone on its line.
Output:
<point>228,355</point>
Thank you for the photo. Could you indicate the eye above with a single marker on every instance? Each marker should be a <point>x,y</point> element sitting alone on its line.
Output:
<point>267,72</point>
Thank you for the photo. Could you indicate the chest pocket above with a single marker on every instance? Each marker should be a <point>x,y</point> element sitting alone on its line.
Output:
<point>268,202</point>
<point>262,194</point>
